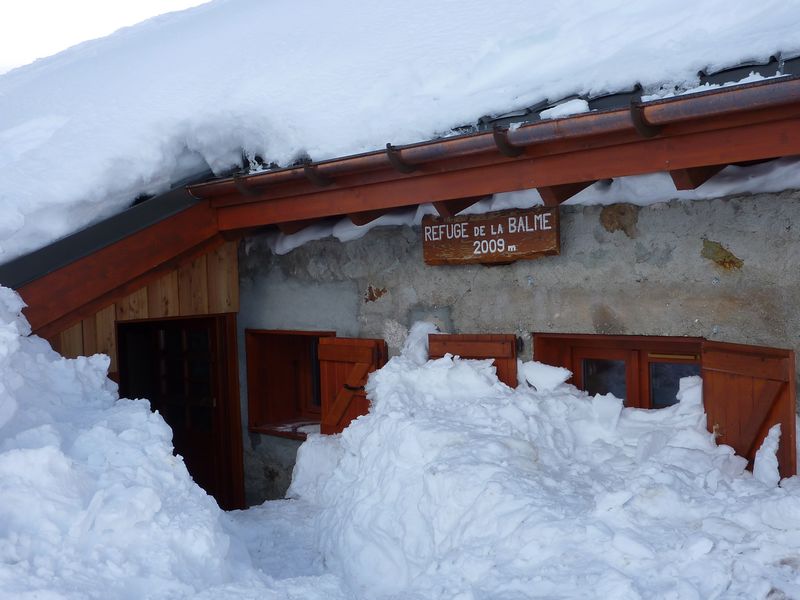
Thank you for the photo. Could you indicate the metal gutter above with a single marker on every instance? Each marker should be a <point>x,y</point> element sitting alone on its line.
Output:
<point>642,118</point>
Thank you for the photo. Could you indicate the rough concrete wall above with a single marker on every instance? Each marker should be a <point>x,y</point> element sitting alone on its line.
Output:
<point>723,269</point>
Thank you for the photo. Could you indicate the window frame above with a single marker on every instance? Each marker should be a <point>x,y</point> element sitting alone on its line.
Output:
<point>263,403</point>
<point>638,352</point>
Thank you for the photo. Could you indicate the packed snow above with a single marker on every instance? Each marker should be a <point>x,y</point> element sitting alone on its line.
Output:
<point>454,486</point>
<point>85,132</point>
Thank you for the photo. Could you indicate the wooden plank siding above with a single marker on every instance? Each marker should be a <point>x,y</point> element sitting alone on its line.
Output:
<point>208,284</point>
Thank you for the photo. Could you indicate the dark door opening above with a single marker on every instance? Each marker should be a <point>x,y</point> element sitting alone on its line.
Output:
<point>183,366</point>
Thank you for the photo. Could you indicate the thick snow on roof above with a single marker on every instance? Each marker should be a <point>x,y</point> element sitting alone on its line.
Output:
<point>84,132</point>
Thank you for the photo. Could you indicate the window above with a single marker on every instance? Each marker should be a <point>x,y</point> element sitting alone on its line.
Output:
<point>642,370</point>
<point>283,381</point>
<point>746,389</point>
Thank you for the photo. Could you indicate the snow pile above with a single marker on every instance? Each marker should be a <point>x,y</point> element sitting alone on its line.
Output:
<point>93,504</point>
<point>456,486</point>
<point>84,132</point>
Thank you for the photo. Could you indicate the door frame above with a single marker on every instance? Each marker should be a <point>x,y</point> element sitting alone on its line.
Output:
<point>228,437</point>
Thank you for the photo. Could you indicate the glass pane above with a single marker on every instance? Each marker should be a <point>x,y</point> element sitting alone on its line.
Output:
<point>199,388</point>
<point>202,418</point>
<point>173,341</point>
<point>664,377</point>
<point>197,340</point>
<point>602,376</point>
<point>199,369</point>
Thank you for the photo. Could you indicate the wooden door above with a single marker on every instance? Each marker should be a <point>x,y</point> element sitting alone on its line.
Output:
<point>747,390</point>
<point>501,347</point>
<point>183,367</point>
<point>344,364</point>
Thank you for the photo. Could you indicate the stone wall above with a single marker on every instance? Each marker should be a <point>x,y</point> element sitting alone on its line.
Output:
<point>724,269</point>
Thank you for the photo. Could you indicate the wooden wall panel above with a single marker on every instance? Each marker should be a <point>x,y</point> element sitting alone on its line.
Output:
<point>106,334</point>
<point>72,341</point>
<point>223,279</point>
<point>90,335</point>
<point>162,297</point>
<point>193,287</point>
<point>133,306</point>
<point>205,285</point>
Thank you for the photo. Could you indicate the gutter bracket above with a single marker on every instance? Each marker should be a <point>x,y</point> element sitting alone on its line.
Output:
<point>315,177</point>
<point>397,162</point>
<point>241,186</point>
<point>503,145</point>
<point>643,128</point>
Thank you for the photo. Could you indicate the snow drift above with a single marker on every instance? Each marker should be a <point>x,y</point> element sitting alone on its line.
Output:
<point>84,132</point>
<point>93,504</point>
<point>453,487</point>
<point>456,486</point>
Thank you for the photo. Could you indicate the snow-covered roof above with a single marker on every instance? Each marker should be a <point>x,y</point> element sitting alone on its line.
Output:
<point>85,132</point>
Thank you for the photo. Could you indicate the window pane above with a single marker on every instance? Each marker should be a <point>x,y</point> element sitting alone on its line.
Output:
<point>664,377</point>
<point>601,376</point>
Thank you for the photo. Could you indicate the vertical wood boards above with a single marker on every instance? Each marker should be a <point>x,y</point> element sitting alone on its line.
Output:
<point>501,347</point>
<point>133,306</point>
<point>223,279</point>
<point>162,297</point>
<point>72,341</point>
<point>206,285</point>
<point>747,390</point>
<point>344,364</point>
<point>105,321</point>
<point>193,287</point>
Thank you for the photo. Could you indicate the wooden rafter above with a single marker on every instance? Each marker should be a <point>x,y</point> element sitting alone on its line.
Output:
<point>122,266</point>
<point>291,227</point>
<point>362,218</point>
<point>746,142</point>
<point>693,177</point>
<point>450,208</point>
<point>556,194</point>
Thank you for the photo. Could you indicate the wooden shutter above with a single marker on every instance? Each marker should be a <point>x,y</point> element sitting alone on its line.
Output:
<point>501,347</point>
<point>344,364</point>
<point>747,390</point>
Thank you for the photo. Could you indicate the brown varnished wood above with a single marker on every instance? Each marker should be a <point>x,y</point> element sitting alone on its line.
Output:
<point>500,347</point>
<point>82,282</point>
<point>72,341</point>
<point>362,218</point>
<point>450,208</point>
<point>132,306</point>
<point>344,365</point>
<point>193,287</point>
<point>748,142</point>
<point>747,390</point>
<point>692,178</point>
<point>162,296</point>
<point>556,194</point>
<point>222,266</point>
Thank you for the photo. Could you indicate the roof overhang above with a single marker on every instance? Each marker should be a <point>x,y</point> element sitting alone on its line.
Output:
<point>691,137</point>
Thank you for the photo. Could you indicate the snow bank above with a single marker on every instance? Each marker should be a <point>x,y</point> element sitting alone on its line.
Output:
<point>456,486</point>
<point>84,132</point>
<point>93,504</point>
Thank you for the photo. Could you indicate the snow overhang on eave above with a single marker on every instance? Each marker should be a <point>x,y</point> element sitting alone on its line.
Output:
<point>691,137</point>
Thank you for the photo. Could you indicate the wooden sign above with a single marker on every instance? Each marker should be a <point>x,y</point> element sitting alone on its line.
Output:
<point>499,237</point>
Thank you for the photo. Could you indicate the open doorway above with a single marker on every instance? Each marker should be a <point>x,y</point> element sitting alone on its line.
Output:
<point>186,367</point>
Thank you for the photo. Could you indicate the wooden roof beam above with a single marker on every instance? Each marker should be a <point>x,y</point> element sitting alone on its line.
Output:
<point>292,227</point>
<point>450,208</point>
<point>744,142</point>
<point>367,216</point>
<point>694,177</point>
<point>108,270</point>
<point>553,195</point>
